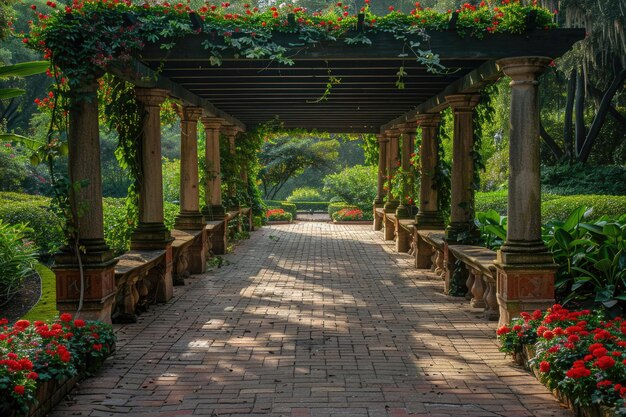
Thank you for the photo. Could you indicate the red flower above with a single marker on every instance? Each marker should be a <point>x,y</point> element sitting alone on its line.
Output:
<point>544,367</point>
<point>548,335</point>
<point>503,330</point>
<point>605,383</point>
<point>391,8</point>
<point>32,375</point>
<point>605,362</point>
<point>578,372</point>
<point>599,352</point>
<point>97,347</point>
<point>19,389</point>
<point>66,317</point>
<point>79,323</point>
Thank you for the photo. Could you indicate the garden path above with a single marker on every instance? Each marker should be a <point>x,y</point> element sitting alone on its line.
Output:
<point>311,320</point>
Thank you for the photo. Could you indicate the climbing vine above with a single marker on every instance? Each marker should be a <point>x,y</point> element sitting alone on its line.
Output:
<point>443,172</point>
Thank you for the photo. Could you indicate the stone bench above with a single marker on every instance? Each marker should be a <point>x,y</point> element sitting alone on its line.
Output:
<point>379,216</point>
<point>389,225</point>
<point>187,254</point>
<point>481,279</point>
<point>429,249</point>
<point>139,280</point>
<point>404,232</point>
<point>218,236</point>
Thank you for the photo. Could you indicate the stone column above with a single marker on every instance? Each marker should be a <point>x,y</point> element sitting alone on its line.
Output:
<point>96,257</point>
<point>525,266</point>
<point>392,165</point>
<point>408,144</point>
<point>428,215</point>
<point>382,176</point>
<point>462,189</point>
<point>231,133</point>
<point>213,209</point>
<point>151,233</point>
<point>190,217</point>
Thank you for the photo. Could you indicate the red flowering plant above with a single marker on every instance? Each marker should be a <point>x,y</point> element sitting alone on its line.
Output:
<point>348,214</point>
<point>31,353</point>
<point>278,214</point>
<point>522,331</point>
<point>578,352</point>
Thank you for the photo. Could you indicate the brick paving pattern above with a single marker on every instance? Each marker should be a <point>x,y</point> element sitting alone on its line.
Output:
<point>311,320</point>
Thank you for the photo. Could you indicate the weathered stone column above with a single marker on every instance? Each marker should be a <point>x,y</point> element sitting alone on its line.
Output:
<point>462,190</point>
<point>525,266</point>
<point>151,233</point>
<point>213,209</point>
<point>379,201</point>
<point>190,217</point>
<point>392,155</point>
<point>408,144</point>
<point>96,258</point>
<point>231,132</point>
<point>428,215</point>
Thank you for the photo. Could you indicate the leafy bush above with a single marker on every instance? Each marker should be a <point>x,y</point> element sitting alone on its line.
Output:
<point>602,205</point>
<point>355,185</point>
<point>18,257</point>
<point>44,226</point>
<point>579,179</point>
<point>278,214</point>
<point>348,214</point>
<point>335,207</point>
<point>498,201</point>
<point>492,228</point>
<point>579,352</point>
<point>304,194</point>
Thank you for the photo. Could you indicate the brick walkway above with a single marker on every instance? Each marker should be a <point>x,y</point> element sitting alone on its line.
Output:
<point>311,320</point>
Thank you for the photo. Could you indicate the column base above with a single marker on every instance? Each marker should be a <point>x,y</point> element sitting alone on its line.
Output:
<point>214,212</point>
<point>94,252</point>
<point>378,202</point>
<point>150,236</point>
<point>189,220</point>
<point>98,294</point>
<point>429,220</point>
<point>524,288</point>
<point>391,206</point>
<point>462,233</point>
<point>524,253</point>
<point>403,212</point>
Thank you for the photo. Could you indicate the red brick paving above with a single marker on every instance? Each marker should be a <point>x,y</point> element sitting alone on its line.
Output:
<point>311,320</point>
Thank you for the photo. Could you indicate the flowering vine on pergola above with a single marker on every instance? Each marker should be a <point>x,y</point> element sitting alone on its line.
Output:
<point>340,70</point>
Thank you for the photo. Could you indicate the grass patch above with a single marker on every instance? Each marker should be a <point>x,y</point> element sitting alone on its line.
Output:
<point>46,308</point>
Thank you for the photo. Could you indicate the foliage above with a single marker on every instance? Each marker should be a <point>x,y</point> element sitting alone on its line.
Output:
<point>118,227</point>
<point>591,259</point>
<point>443,174</point>
<point>492,228</point>
<point>43,351</point>
<point>46,308</point>
<point>494,200</point>
<point>404,181</point>
<point>285,205</point>
<point>278,214</point>
<point>171,180</point>
<point>601,205</point>
<point>44,227</point>
<point>311,205</point>
<point>339,205</point>
<point>579,179</point>
<point>579,352</point>
<point>18,257</point>
<point>286,157</point>
<point>347,214</point>
<point>354,185</point>
<point>304,194</point>
<point>334,208</point>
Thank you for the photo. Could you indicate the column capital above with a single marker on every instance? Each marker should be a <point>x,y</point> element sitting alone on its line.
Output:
<point>393,132</point>
<point>230,130</point>
<point>428,119</point>
<point>189,113</point>
<point>381,137</point>
<point>463,102</point>
<point>151,97</point>
<point>212,122</point>
<point>523,68</point>
<point>408,127</point>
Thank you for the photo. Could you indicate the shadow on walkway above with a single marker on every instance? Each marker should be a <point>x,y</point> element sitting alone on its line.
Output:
<point>312,320</point>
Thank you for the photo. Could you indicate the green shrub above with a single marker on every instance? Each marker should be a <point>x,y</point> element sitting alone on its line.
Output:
<point>305,194</point>
<point>335,207</point>
<point>18,257</point>
<point>355,185</point>
<point>579,179</point>
<point>278,214</point>
<point>498,201</point>
<point>44,226</point>
<point>601,205</point>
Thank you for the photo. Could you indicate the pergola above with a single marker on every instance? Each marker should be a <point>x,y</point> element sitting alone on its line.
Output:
<point>242,93</point>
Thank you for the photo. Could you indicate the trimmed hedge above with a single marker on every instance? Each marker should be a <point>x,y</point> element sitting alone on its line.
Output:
<point>35,211</point>
<point>311,205</point>
<point>498,201</point>
<point>602,205</point>
<point>578,179</point>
